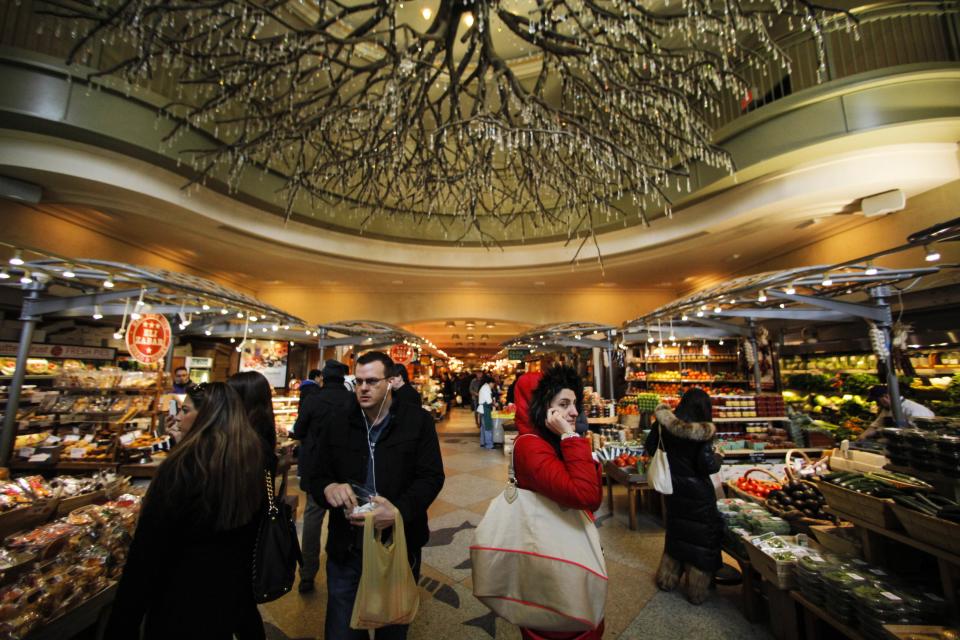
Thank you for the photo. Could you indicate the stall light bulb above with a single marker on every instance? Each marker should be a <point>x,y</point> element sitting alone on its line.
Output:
<point>135,316</point>
<point>68,273</point>
<point>275,327</point>
<point>254,341</point>
<point>717,309</point>
<point>650,339</point>
<point>205,307</point>
<point>17,258</point>
<point>240,314</point>
<point>721,342</point>
<point>4,275</point>
<point>239,349</point>
<point>223,312</point>
<point>182,326</point>
<point>108,284</point>
<point>673,338</point>
<point>26,279</point>
<point>97,313</point>
<point>233,340</point>
<point>291,343</point>
<point>932,254</point>
<point>426,12</point>
<point>207,332</point>
<point>689,344</point>
<point>263,329</point>
<point>468,19</point>
<point>783,306</point>
<point>790,290</point>
<point>762,297</point>
<point>699,314</point>
<point>705,307</point>
<point>826,280</point>
<point>684,317</point>
<point>117,335</point>
<point>253,318</point>
<point>870,270</point>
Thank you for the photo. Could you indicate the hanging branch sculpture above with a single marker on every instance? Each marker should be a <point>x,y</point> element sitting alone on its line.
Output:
<point>355,106</point>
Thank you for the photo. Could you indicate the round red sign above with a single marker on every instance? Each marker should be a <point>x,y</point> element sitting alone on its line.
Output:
<point>401,353</point>
<point>148,338</point>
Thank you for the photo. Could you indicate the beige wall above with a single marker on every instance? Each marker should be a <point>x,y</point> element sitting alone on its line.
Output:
<point>877,234</point>
<point>399,307</point>
<point>80,232</point>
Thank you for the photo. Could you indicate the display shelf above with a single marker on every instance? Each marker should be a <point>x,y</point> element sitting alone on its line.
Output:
<point>898,536</point>
<point>77,620</point>
<point>692,381</point>
<point>35,376</point>
<point>18,465</point>
<point>284,412</point>
<point>142,470</point>
<point>138,390</point>
<point>769,452</point>
<point>613,420</point>
<point>826,616</point>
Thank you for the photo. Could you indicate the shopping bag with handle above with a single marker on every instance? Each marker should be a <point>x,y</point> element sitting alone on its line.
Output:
<point>387,593</point>
<point>539,565</point>
<point>659,471</point>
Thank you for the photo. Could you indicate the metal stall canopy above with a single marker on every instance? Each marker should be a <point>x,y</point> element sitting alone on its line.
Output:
<point>370,334</point>
<point>822,293</point>
<point>565,335</point>
<point>99,289</point>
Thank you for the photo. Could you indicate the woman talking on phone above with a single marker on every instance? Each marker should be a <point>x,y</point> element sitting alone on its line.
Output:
<point>556,463</point>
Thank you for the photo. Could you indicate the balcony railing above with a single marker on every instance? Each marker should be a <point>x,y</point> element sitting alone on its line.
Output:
<point>890,35</point>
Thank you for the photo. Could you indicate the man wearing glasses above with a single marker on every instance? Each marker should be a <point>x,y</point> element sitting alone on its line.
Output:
<point>383,454</point>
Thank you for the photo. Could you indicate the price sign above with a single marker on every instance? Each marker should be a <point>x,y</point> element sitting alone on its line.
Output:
<point>148,338</point>
<point>78,453</point>
<point>127,438</point>
<point>26,452</point>
<point>401,353</point>
<point>757,456</point>
<point>71,438</point>
<point>88,437</point>
<point>39,457</point>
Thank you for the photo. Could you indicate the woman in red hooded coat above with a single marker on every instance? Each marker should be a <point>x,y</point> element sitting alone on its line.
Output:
<point>553,461</point>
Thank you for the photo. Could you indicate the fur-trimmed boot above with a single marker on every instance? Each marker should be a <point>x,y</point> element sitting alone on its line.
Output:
<point>669,572</point>
<point>698,584</point>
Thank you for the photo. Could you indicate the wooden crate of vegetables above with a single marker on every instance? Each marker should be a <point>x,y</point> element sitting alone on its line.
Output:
<point>868,496</point>
<point>800,503</point>
<point>930,518</point>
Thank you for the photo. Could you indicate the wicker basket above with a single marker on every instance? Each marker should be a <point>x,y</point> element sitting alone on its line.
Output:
<point>875,511</point>
<point>788,469</point>
<point>737,492</point>
<point>935,532</point>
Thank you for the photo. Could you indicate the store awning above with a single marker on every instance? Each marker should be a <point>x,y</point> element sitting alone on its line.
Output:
<point>580,335</point>
<point>370,334</point>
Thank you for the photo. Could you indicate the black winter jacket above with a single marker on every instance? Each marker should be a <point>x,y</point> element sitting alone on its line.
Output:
<point>307,391</point>
<point>318,412</point>
<point>409,471</point>
<point>694,527</point>
<point>407,394</point>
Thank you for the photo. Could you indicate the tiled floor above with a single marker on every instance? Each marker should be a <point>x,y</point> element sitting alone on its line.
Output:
<point>635,609</point>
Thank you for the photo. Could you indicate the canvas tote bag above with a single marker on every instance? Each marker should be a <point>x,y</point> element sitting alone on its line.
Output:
<point>659,472</point>
<point>387,593</point>
<point>539,565</point>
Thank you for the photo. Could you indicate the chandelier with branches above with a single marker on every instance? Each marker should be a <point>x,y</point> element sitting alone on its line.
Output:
<point>529,113</point>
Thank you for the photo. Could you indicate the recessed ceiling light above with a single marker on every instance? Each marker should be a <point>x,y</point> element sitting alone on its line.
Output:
<point>468,19</point>
<point>426,12</point>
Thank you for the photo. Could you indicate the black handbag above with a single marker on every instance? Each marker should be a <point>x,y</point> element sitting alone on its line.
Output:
<point>277,551</point>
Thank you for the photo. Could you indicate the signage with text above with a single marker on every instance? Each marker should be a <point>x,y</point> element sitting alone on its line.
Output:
<point>517,354</point>
<point>148,338</point>
<point>78,352</point>
<point>401,353</point>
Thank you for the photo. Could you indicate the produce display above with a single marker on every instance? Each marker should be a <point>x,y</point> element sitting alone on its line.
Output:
<point>107,378</point>
<point>935,448</point>
<point>755,487</point>
<point>802,497</point>
<point>879,484</point>
<point>26,491</point>
<point>64,562</point>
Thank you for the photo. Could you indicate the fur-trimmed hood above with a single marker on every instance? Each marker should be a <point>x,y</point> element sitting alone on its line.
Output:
<point>696,431</point>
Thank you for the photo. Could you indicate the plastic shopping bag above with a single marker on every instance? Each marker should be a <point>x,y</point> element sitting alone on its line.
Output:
<point>387,594</point>
<point>659,471</point>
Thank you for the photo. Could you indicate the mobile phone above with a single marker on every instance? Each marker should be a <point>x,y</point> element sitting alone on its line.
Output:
<point>174,408</point>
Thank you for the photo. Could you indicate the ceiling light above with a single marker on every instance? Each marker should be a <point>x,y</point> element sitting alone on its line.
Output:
<point>205,307</point>
<point>253,318</point>
<point>932,254</point>
<point>291,343</point>
<point>826,280</point>
<point>108,284</point>
<point>790,290</point>
<point>783,306</point>
<point>426,12</point>
<point>207,332</point>
<point>468,19</point>
<point>717,309</point>
<point>135,315</point>
<point>17,258</point>
<point>4,275</point>
<point>233,340</point>
<point>684,317</point>
<point>699,314</point>
<point>117,335</point>
<point>650,339</point>
<point>223,312</point>
<point>721,342</point>
<point>870,270</point>
<point>239,314</point>
<point>68,273</point>
<point>450,323</point>
<point>97,312</point>
<point>491,325</point>
<point>26,279</point>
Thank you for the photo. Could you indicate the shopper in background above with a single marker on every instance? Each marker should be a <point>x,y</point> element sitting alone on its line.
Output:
<point>390,452</point>
<point>257,397</point>
<point>318,412</point>
<point>181,380</point>
<point>511,390</point>
<point>485,409</point>
<point>189,573</point>
<point>881,395</point>
<point>401,389</point>
<point>475,383</point>
<point>178,426</point>
<point>694,527</point>
<point>553,461</point>
<point>310,386</point>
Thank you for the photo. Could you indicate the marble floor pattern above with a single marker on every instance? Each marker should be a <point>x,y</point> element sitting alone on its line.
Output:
<point>635,608</point>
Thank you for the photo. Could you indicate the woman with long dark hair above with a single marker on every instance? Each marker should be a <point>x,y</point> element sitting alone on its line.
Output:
<point>257,397</point>
<point>189,572</point>
<point>557,463</point>
<point>694,527</point>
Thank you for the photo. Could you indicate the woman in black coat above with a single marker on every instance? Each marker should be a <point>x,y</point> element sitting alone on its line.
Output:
<point>694,527</point>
